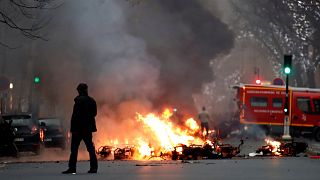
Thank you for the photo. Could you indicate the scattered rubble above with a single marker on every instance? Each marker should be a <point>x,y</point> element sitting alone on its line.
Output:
<point>214,149</point>
<point>277,148</point>
<point>210,150</point>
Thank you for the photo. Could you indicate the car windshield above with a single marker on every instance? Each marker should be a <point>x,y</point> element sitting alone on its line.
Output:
<point>51,122</point>
<point>24,122</point>
<point>19,120</point>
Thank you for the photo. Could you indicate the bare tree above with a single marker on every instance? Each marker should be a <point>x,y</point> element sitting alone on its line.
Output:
<point>25,16</point>
<point>286,26</point>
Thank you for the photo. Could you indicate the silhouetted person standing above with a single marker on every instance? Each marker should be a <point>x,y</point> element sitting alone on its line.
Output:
<point>82,125</point>
<point>204,120</point>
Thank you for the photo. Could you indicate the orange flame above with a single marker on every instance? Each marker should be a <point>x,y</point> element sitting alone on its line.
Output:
<point>275,146</point>
<point>156,135</point>
<point>165,133</point>
<point>192,124</point>
<point>166,114</point>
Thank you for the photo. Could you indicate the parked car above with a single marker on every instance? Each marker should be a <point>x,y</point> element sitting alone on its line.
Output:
<point>27,132</point>
<point>55,135</point>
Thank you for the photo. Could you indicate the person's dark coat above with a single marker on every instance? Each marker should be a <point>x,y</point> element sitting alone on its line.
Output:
<point>7,133</point>
<point>83,116</point>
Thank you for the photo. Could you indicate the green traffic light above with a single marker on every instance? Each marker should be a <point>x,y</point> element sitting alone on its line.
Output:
<point>287,70</point>
<point>287,64</point>
<point>37,80</point>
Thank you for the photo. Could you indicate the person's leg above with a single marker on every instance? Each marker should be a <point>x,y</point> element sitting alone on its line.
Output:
<point>202,127</point>
<point>91,149</point>
<point>207,128</point>
<point>75,142</point>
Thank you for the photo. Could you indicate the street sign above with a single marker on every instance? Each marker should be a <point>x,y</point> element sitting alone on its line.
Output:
<point>4,83</point>
<point>278,81</point>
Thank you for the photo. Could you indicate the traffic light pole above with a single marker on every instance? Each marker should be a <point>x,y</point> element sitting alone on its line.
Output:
<point>286,123</point>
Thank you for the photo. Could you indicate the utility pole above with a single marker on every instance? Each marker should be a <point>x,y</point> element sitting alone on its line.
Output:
<point>287,121</point>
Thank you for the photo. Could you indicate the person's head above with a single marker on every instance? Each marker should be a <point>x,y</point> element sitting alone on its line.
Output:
<point>82,89</point>
<point>203,108</point>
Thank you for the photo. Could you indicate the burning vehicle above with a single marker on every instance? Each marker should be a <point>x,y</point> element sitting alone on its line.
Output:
<point>227,150</point>
<point>119,153</point>
<point>124,153</point>
<point>183,152</point>
<point>157,136</point>
<point>210,150</point>
<point>277,148</point>
<point>104,151</point>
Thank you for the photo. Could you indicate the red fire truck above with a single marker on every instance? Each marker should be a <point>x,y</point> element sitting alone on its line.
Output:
<point>263,105</point>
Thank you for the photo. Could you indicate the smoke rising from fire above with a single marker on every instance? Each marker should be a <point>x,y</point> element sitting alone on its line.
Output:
<point>154,53</point>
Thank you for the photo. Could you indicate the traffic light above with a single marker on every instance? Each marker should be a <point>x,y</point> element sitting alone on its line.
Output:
<point>287,64</point>
<point>36,80</point>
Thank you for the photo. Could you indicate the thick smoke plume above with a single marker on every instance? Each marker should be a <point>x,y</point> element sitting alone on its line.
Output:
<point>153,53</point>
<point>183,36</point>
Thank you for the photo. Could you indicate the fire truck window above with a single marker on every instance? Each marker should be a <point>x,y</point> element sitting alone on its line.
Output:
<point>277,102</point>
<point>258,102</point>
<point>304,104</point>
<point>316,103</point>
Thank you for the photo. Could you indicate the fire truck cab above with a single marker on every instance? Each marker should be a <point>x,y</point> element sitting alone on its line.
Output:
<point>264,105</point>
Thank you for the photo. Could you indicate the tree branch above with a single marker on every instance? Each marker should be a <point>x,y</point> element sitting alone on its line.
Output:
<point>25,31</point>
<point>7,46</point>
<point>25,5</point>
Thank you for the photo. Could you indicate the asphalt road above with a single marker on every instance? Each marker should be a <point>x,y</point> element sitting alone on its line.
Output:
<point>52,162</point>
<point>300,168</point>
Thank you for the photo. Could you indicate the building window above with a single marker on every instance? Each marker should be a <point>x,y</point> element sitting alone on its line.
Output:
<point>316,103</point>
<point>259,102</point>
<point>304,104</point>
<point>277,102</point>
